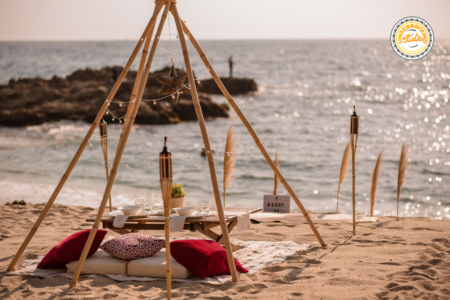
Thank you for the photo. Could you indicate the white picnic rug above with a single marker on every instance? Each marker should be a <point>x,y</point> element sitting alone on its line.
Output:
<point>253,256</point>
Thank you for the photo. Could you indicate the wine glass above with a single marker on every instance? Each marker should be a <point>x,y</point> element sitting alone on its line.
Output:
<point>204,207</point>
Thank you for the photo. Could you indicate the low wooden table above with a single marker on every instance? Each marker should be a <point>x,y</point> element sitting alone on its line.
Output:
<point>202,225</point>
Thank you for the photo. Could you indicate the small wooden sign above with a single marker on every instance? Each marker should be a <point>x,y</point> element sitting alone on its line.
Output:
<point>277,203</point>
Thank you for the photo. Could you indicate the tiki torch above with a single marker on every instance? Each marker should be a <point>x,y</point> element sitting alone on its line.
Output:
<point>354,128</point>
<point>104,142</point>
<point>165,174</point>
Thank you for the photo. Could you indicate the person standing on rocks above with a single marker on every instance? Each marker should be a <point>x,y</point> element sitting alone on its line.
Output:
<point>230,63</point>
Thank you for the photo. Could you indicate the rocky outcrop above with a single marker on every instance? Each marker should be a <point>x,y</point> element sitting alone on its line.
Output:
<point>80,95</point>
<point>235,86</point>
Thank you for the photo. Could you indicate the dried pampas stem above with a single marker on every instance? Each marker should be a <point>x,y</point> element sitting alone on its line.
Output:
<point>402,166</point>
<point>276,179</point>
<point>374,179</point>
<point>228,161</point>
<point>343,173</point>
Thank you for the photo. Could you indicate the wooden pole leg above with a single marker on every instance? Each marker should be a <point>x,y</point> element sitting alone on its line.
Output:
<point>251,131</point>
<point>209,154</point>
<point>118,157</point>
<point>80,149</point>
<point>138,78</point>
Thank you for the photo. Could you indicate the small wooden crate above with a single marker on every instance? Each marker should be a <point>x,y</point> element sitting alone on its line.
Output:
<point>277,203</point>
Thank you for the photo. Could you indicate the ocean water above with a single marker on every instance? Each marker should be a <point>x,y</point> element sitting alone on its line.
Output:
<point>306,93</point>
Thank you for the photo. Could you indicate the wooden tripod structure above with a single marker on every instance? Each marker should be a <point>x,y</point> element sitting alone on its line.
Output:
<point>135,100</point>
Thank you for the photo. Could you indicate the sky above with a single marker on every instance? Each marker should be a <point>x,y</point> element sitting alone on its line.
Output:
<point>62,20</point>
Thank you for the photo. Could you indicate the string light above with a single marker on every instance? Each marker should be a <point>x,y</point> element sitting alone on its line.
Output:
<point>234,152</point>
<point>120,104</point>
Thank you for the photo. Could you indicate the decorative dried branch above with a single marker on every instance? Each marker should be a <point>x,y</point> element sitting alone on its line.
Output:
<point>402,167</point>
<point>374,179</point>
<point>276,179</point>
<point>229,161</point>
<point>344,168</point>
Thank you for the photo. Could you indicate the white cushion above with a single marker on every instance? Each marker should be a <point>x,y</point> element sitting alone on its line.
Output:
<point>100,263</point>
<point>155,266</point>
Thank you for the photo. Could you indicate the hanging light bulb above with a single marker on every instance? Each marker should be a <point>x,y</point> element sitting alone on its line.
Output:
<point>154,102</point>
<point>124,119</point>
<point>127,167</point>
<point>113,119</point>
<point>198,81</point>
<point>120,121</point>
<point>107,112</point>
<point>103,162</point>
<point>228,154</point>
<point>189,157</point>
<point>148,165</point>
<point>120,104</point>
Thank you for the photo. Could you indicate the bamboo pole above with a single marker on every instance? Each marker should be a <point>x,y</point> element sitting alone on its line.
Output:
<point>121,147</point>
<point>138,78</point>
<point>209,153</point>
<point>166,190</point>
<point>104,143</point>
<point>81,148</point>
<point>252,133</point>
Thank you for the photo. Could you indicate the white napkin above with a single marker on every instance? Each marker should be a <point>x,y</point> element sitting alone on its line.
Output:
<point>120,220</point>
<point>177,223</point>
<point>243,221</point>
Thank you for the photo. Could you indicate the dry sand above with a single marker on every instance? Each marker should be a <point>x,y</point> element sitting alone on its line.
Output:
<point>388,259</point>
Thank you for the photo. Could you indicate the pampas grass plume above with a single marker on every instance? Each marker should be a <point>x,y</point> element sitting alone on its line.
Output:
<point>374,179</point>
<point>343,173</point>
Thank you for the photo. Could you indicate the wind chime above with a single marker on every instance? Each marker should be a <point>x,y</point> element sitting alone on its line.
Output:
<point>165,174</point>
<point>354,128</point>
<point>104,142</point>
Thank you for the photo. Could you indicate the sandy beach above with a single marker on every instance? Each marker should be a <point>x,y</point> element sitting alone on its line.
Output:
<point>387,259</point>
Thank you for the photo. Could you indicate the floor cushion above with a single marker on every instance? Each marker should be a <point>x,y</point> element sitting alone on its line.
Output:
<point>100,263</point>
<point>203,258</point>
<point>132,246</point>
<point>155,266</point>
<point>70,249</point>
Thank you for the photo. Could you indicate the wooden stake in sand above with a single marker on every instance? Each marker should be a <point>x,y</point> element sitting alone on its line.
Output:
<point>354,129</point>
<point>251,131</point>
<point>165,175</point>
<point>83,144</point>
<point>104,142</point>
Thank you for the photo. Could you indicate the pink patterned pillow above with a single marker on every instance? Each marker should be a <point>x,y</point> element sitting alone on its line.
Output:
<point>132,246</point>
